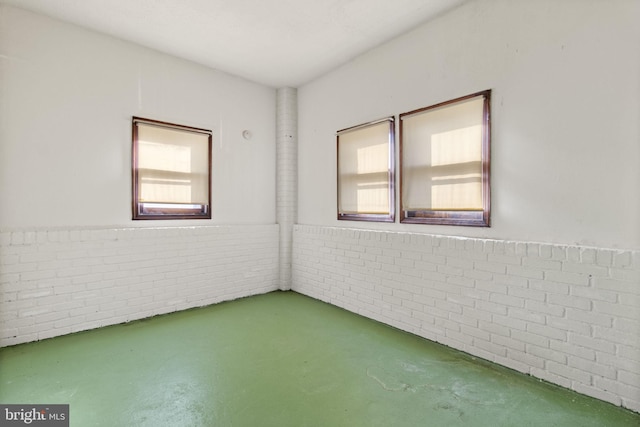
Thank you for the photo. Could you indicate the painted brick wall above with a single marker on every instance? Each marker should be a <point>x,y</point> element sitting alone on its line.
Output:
<point>287,176</point>
<point>566,314</point>
<point>55,282</point>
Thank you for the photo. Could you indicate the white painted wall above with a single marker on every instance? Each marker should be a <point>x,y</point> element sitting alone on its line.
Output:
<point>71,258</point>
<point>287,177</point>
<point>566,115</point>
<point>551,288</point>
<point>67,98</point>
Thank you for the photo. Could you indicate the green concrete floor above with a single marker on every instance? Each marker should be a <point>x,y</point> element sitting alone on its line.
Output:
<point>280,359</point>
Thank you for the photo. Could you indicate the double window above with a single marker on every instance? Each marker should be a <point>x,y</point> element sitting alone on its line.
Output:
<point>444,166</point>
<point>171,171</point>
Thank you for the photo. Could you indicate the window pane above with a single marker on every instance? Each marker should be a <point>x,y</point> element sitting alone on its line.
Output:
<point>365,170</point>
<point>172,171</point>
<point>443,159</point>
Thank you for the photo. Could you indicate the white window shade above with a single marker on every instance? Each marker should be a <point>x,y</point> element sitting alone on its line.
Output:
<point>365,172</point>
<point>173,165</point>
<point>445,164</point>
<point>442,158</point>
<point>171,170</point>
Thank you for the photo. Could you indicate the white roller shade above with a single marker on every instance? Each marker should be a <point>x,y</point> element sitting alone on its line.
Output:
<point>442,158</point>
<point>363,170</point>
<point>173,165</point>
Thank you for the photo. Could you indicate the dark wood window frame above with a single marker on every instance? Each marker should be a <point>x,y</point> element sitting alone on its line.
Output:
<point>158,210</point>
<point>478,218</point>
<point>390,175</point>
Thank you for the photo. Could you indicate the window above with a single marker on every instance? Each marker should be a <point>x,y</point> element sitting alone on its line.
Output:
<point>445,163</point>
<point>366,172</point>
<point>171,171</point>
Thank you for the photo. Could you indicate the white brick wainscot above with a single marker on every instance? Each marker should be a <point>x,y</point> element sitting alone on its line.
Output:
<point>565,314</point>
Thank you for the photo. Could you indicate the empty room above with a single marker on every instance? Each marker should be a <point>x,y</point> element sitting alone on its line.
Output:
<point>320,213</point>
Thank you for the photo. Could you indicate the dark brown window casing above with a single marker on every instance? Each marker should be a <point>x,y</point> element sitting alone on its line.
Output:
<point>171,171</point>
<point>366,171</point>
<point>436,188</point>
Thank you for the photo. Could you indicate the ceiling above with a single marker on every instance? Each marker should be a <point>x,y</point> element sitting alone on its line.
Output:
<point>278,43</point>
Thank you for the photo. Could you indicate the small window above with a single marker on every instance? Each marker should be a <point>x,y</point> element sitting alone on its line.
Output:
<point>171,171</point>
<point>366,172</point>
<point>445,163</point>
